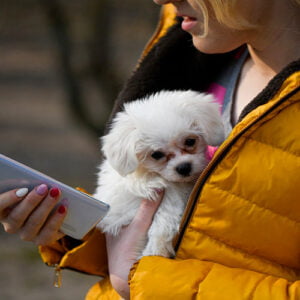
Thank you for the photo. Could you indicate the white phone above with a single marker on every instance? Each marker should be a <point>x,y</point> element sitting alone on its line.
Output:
<point>84,212</point>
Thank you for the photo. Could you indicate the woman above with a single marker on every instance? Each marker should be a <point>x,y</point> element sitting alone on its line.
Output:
<point>240,235</point>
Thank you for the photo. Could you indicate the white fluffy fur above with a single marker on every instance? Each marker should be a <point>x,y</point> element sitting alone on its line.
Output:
<point>161,122</point>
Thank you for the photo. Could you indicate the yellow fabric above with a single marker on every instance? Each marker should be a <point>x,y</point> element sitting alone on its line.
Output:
<point>194,279</point>
<point>102,291</point>
<point>89,257</point>
<point>51,255</point>
<point>167,19</point>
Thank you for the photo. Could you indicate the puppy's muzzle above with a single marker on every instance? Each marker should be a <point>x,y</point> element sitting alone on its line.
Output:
<point>184,169</point>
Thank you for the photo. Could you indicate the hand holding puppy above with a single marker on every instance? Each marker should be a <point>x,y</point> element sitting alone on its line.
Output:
<point>124,249</point>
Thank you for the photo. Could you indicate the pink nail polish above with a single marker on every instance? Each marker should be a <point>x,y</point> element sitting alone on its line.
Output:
<point>42,189</point>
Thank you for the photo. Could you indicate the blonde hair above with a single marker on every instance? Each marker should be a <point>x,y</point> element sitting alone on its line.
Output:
<point>226,12</point>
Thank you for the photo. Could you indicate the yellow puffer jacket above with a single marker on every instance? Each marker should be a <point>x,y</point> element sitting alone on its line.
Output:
<point>240,235</point>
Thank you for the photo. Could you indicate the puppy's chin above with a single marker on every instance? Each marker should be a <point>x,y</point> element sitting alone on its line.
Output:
<point>180,179</point>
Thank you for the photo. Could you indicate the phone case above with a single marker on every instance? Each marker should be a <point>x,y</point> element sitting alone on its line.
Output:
<point>84,212</point>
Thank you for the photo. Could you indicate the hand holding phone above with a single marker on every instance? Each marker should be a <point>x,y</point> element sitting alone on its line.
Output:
<point>84,212</point>
<point>33,215</point>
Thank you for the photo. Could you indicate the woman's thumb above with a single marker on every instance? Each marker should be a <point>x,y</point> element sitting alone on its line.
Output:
<point>147,211</point>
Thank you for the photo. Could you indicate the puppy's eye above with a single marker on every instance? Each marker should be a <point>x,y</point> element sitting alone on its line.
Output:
<point>190,142</point>
<point>157,155</point>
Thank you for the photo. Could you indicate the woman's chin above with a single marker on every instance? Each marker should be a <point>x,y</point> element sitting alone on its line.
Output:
<point>211,46</point>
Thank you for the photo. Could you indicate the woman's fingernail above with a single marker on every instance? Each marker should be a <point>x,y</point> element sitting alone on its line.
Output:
<point>61,209</point>
<point>22,192</point>
<point>42,189</point>
<point>54,192</point>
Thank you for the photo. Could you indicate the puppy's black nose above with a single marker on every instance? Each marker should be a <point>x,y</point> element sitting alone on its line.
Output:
<point>184,169</point>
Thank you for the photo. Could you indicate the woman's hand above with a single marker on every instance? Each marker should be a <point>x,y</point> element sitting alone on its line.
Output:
<point>123,250</point>
<point>30,214</point>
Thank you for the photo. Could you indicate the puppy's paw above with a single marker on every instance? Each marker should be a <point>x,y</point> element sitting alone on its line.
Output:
<point>155,194</point>
<point>159,249</point>
<point>152,189</point>
<point>109,229</point>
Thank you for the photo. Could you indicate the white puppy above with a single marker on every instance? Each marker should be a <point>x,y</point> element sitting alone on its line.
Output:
<point>156,143</point>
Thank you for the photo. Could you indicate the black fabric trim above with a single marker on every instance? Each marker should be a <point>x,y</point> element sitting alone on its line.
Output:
<point>271,89</point>
<point>172,64</point>
<point>70,243</point>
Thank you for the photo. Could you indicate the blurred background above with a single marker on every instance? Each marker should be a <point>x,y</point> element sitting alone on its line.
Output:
<point>62,64</point>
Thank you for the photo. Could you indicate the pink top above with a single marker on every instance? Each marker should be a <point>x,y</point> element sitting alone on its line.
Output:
<point>223,90</point>
<point>219,92</point>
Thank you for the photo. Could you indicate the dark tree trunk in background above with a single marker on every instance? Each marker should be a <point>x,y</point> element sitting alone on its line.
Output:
<point>98,53</point>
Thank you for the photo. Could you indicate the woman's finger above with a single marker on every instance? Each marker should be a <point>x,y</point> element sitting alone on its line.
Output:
<point>9,199</point>
<point>50,231</point>
<point>143,218</point>
<point>39,216</point>
<point>19,214</point>
<point>125,248</point>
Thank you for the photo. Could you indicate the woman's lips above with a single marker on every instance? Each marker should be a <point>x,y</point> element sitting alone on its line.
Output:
<point>188,23</point>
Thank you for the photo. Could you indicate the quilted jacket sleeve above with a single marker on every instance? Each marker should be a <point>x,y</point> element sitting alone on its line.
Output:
<point>160,278</point>
<point>88,256</point>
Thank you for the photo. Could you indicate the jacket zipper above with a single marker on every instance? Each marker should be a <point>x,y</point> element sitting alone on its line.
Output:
<point>223,150</point>
<point>57,281</point>
<point>57,276</point>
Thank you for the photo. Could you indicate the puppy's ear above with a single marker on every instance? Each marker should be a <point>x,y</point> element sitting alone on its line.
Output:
<point>207,119</point>
<point>120,143</point>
